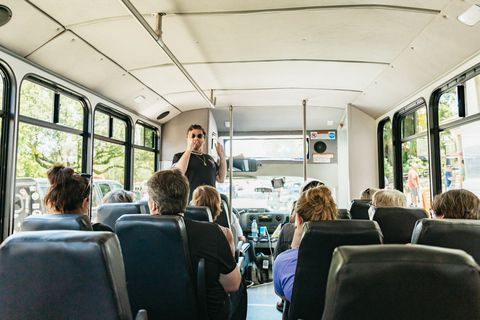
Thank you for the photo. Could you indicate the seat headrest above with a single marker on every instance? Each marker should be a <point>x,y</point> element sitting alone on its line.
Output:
<point>67,221</point>
<point>109,213</point>
<point>319,239</point>
<point>143,205</point>
<point>224,197</point>
<point>157,265</point>
<point>198,213</point>
<point>344,214</point>
<point>449,233</point>
<point>397,223</point>
<point>62,274</point>
<point>359,209</point>
<point>402,282</point>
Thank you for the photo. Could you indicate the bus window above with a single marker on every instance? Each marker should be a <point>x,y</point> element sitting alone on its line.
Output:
<point>43,143</point>
<point>144,159</point>
<point>415,159</point>
<point>109,147</point>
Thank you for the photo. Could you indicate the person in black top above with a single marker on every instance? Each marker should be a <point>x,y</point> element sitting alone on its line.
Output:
<point>200,169</point>
<point>168,194</point>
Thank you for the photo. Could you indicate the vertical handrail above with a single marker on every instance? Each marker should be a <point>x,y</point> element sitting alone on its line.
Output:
<point>304,103</point>
<point>230,169</point>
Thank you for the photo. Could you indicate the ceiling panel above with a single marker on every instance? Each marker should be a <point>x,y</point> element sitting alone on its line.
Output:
<point>41,28</point>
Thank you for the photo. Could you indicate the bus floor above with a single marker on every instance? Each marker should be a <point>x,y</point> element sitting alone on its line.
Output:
<point>262,303</point>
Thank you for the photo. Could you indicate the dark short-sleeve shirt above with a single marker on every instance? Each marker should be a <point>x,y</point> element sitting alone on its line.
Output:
<point>206,240</point>
<point>202,170</point>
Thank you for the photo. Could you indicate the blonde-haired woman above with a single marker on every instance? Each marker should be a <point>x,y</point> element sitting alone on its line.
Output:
<point>314,205</point>
<point>208,196</point>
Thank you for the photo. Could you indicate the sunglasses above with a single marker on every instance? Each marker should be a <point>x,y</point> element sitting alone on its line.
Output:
<point>87,177</point>
<point>199,136</point>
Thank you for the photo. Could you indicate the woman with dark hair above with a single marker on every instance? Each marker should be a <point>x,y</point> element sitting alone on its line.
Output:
<point>314,205</point>
<point>69,192</point>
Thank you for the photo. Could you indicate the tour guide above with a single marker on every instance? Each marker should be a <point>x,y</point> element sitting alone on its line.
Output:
<point>200,168</point>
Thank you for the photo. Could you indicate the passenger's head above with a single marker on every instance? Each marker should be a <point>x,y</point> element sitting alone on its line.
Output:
<point>415,166</point>
<point>317,204</point>
<point>208,196</point>
<point>368,193</point>
<point>389,198</point>
<point>195,127</point>
<point>69,192</point>
<point>449,168</point>
<point>118,196</point>
<point>168,192</point>
<point>309,184</point>
<point>456,204</point>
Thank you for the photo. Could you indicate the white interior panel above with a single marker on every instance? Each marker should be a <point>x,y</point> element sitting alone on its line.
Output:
<point>25,17</point>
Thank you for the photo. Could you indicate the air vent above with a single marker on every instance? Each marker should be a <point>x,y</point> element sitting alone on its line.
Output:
<point>252,217</point>
<point>278,217</point>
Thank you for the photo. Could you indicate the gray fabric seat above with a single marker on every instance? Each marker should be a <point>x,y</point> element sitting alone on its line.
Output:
<point>359,209</point>
<point>198,213</point>
<point>109,213</point>
<point>397,223</point>
<point>67,221</point>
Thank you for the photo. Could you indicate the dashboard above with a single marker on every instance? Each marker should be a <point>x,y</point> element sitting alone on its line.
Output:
<point>269,219</point>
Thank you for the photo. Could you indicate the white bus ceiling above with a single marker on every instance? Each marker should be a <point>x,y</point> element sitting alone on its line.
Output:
<point>266,55</point>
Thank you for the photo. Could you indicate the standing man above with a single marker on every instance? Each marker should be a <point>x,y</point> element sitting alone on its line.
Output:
<point>200,168</point>
<point>413,183</point>
<point>449,178</point>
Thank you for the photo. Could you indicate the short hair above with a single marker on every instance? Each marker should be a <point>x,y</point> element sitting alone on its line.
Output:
<point>368,193</point>
<point>67,189</point>
<point>457,204</point>
<point>169,190</point>
<point>196,127</point>
<point>209,197</point>
<point>389,198</point>
<point>118,196</point>
<point>317,204</point>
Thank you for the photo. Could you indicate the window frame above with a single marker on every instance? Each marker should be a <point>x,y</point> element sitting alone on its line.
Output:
<point>156,144</point>
<point>381,152</point>
<point>128,143</point>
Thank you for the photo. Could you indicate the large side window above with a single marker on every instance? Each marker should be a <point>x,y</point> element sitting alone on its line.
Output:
<point>459,136</point>
<point>51,130</point>
<point>145,158</point>
<point>110,148</point>
<point>412,152</point>
<point>385,151</point>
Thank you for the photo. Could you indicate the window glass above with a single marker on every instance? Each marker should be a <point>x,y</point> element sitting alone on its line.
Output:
<point>139,129</point>
<point>414,123</point>
<point>408,125</point>
<point>448,106</point>
<point>460,158</point>
<point>149,138</point>
<point>105,188</point>
<point>71,113</point>
<point>268,148</point>
<point>36,101</point>
<point>101,123</point>
<point>416,173</point>
<point>109,161</point>
<point>388,155</point>
<point>472,96</point>
<point>144,168</point>
<point>119,129</point>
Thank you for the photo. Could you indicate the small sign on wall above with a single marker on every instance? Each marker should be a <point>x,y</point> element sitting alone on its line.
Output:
<point>322,135</point>
<point>322,157</point>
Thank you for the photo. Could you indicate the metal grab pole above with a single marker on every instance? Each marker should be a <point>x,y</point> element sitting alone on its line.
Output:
<point>230,171</point>
<point>304,103</point>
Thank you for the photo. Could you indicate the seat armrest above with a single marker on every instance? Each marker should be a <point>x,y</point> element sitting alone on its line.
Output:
<point>142,315</point>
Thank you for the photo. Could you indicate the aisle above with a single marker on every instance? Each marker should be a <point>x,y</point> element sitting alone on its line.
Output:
<point>262,303</point>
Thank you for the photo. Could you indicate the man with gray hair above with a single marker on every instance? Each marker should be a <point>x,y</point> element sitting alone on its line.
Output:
<point>168,193</point>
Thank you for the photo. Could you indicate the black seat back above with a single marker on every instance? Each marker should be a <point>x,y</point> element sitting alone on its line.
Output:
<point>449,233</point>
<point>223,219</point>
<point>397,223</point>
<point>109,213</point>
<point>344,214</point>
<point>67,221</point>
<point>198,213</point>
<point>319,240</point>
<point>158,268</point>
<point>398,282</point>
<point>143,205</point>
<point>62,275</point>
<point>359,209</point>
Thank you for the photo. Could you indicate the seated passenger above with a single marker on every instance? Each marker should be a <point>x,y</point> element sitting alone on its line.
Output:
<point>168,193</point>
<point>118,196</point>
<point>456,204</point>
<point>208,196</point>
<point>69,192</point>
<point>387,198</point>
<point>314,205</point>
<point>368,193</point>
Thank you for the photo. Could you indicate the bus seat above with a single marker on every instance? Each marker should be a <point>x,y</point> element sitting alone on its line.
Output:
<point>402,282</point>
<point>223,219</point>
<point>344,214</point>
<point>66,221</point>
<point>158,268</point>
<point>62,275</point>
<point>449,233</point>
<point>359,209</point>
<point>319,240</point>
<point>397,223</point>
<point>109,213</point>
<point>143,205</point>
<point>198,213</point>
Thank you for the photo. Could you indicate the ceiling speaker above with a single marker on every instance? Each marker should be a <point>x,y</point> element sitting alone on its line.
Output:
<point>5,15</point>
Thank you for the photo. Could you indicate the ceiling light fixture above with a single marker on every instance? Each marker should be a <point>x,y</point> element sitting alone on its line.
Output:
<point>163,115</point>
<point>227,124</point>
<point>471,16</point>
<point>139,99</point>
<point>330,122</point>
